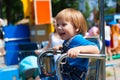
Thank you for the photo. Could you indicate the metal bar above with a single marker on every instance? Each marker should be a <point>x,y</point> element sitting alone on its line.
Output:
<point>101,70</point>
<point>40,59</point>
<point>102,31</point>
<point>59,60</point>
<point>96,56</point>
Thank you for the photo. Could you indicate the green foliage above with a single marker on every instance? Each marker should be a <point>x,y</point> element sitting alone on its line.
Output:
<point>3,11</point>
<point>58,5</point>
<point>110,11</point>
<point>87,13</point>
<point>12,10</point>
<point>15,12</point>
<point>55,1</point>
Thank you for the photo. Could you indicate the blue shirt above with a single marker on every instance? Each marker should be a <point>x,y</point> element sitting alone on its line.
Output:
<point>81,63</point>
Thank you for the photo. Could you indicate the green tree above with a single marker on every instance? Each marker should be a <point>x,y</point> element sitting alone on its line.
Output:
<point>87,12</point>
<point>58,5</point>
<point>12,10</point>
<point>108,10</point>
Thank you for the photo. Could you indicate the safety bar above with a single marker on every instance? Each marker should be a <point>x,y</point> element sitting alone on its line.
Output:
<point>40,61</point>
<point>48,51</point>
<point>59,60</point>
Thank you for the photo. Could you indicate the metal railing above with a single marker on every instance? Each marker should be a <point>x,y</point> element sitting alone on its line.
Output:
<point>96,56</point>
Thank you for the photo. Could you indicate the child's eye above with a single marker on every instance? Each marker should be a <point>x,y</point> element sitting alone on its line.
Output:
<point>64,24</point>
<point>61,25</point>
<point>57,25</point>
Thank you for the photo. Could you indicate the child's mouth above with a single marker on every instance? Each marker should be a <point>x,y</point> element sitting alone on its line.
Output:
<point>61,34</point>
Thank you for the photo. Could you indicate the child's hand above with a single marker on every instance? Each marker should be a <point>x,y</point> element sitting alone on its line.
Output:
<point>38,51</point>
<point>73,52</point>
<point>55,48</point>
<point>58,47</point>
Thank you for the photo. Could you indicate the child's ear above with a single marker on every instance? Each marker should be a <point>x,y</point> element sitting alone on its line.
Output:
<point>77,29</point>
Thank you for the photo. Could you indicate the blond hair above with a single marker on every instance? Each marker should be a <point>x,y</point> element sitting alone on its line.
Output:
<point>75,17</point>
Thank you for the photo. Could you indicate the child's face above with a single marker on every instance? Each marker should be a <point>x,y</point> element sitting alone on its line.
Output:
<point>65,29</point>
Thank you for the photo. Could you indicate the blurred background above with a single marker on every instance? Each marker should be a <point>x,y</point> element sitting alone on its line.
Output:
<point>26,25</point>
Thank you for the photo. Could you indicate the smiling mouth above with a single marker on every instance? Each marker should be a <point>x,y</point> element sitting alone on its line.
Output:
<point>61,34</point>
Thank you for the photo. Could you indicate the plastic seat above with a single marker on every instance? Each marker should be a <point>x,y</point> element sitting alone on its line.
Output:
<point>28,68</point>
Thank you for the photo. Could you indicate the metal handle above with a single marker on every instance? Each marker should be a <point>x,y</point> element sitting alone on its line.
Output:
<point>42,69</point>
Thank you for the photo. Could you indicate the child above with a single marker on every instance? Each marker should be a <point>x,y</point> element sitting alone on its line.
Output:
<point>108,41</point>
<point>54,40</point>
<point>71,26</point>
